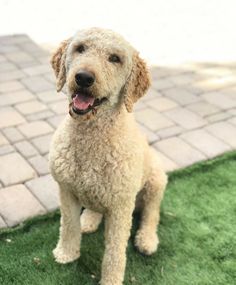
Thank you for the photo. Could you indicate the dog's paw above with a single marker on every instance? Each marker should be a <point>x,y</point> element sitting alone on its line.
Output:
<point>64,256</point>
<point>90,221</point>
<point>146,242</point>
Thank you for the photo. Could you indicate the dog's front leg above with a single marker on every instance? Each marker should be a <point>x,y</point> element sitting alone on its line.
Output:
<point>117,231</point>
<point>68,247</point>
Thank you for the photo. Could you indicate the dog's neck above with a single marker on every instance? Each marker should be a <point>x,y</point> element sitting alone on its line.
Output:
<point>102,121</point>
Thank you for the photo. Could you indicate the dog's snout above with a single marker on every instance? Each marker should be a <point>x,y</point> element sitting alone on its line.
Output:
<point>84,78</point>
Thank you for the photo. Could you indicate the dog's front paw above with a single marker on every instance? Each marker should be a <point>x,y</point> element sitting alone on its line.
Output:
<point>110,281</point>
<point>65,256</point>
<point>146,242</point>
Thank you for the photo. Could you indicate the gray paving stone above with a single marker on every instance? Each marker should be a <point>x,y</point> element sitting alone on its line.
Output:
<point>46,191</point>
<point>161,72</point>
<point>45,59</point>
<point>232,111</point>
<point>179,151</point>
<point>224,131</point>
<point>12,75</point>
<point>39,116</point>
<point>2,223</point>
<point>46,156</point>
<point>153,120</point>
<point>167,164</point>
<point>42,143</point>
<point>151,94</point>
<point>170,132</point>
<point>35,129</point>
<point>40,164</point>
<point>10,86</point>
<point>7,66</point>
<point>37,84</point>
<point>222,116</point>
<point>50,77</point>
<point>6,149</point>
<point>25,64</point>
<point>14,39</point>
<point>26,148</point>
<point>181,96</point>
<point>33,49</point>
<point>193,89</point>
<point>216,71</point>
<point>8,48</point>
<point>151,136</point>
<point>51,96</point>
<point>19,57</point>
<point>185,118</point>
<point>183,79</point>
<point>231,92</point>
<point>220,100</point>
<point>206,143</point>
<point>12,134</point>
<point>15,169</point>
<point>56,120</point>
<point>203,108</point>
<point>3,140</point>
<point>161,104</point>
<point>37,70</point>
<point>216,83</point>
<point>60,107</point>
<point>15,97</point>
<point>18,204</point>
<point>157,73</point>
<point>162,84</point>
<point>232,121</point>
<point>2,58</point>
<point>9,117</point>
<point>31,107</point>
<point>139,106</point>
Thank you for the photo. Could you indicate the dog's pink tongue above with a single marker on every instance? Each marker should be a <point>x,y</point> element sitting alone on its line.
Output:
<point>82,101</point>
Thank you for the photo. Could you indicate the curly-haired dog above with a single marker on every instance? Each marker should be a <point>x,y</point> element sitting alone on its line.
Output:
<point>98,156</point>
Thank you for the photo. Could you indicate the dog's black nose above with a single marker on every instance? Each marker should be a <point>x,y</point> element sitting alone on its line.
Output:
<point>84,78</point>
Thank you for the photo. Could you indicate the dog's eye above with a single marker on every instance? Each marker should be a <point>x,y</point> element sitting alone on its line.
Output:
<point>114,58</point>
<point>80,49</point>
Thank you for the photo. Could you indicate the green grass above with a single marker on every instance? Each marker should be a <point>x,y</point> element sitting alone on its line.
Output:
<point>197,238</point>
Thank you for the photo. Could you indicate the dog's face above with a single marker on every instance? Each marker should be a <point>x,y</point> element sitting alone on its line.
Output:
<point>101,70</point>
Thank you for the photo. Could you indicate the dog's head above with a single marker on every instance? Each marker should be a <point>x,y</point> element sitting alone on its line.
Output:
<point>101,70</point>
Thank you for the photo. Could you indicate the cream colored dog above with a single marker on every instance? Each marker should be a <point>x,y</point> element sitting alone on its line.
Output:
<point>98,156</point>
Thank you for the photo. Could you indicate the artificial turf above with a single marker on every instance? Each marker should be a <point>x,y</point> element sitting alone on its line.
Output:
<point>197,238</point>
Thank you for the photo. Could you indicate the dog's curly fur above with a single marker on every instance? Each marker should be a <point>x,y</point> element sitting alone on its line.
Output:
<point>100,160</point>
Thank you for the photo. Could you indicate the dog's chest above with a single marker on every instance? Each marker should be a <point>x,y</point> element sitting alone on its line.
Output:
<point>89,166</point>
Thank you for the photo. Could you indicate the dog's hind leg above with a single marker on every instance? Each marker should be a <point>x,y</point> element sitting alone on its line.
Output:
<point>146,238</point>
<point>90,221</point>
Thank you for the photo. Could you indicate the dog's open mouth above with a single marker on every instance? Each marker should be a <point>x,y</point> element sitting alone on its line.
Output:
<point>83,103</point>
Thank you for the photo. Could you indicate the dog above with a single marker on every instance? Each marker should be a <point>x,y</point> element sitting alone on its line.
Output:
<point>98,156</point>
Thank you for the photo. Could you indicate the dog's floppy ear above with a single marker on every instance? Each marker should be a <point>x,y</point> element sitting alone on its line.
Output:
<point>58,64</point>
<point>138,82</point>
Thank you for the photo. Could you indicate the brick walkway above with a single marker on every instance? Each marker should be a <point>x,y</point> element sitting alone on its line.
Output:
<point>189,115</point>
